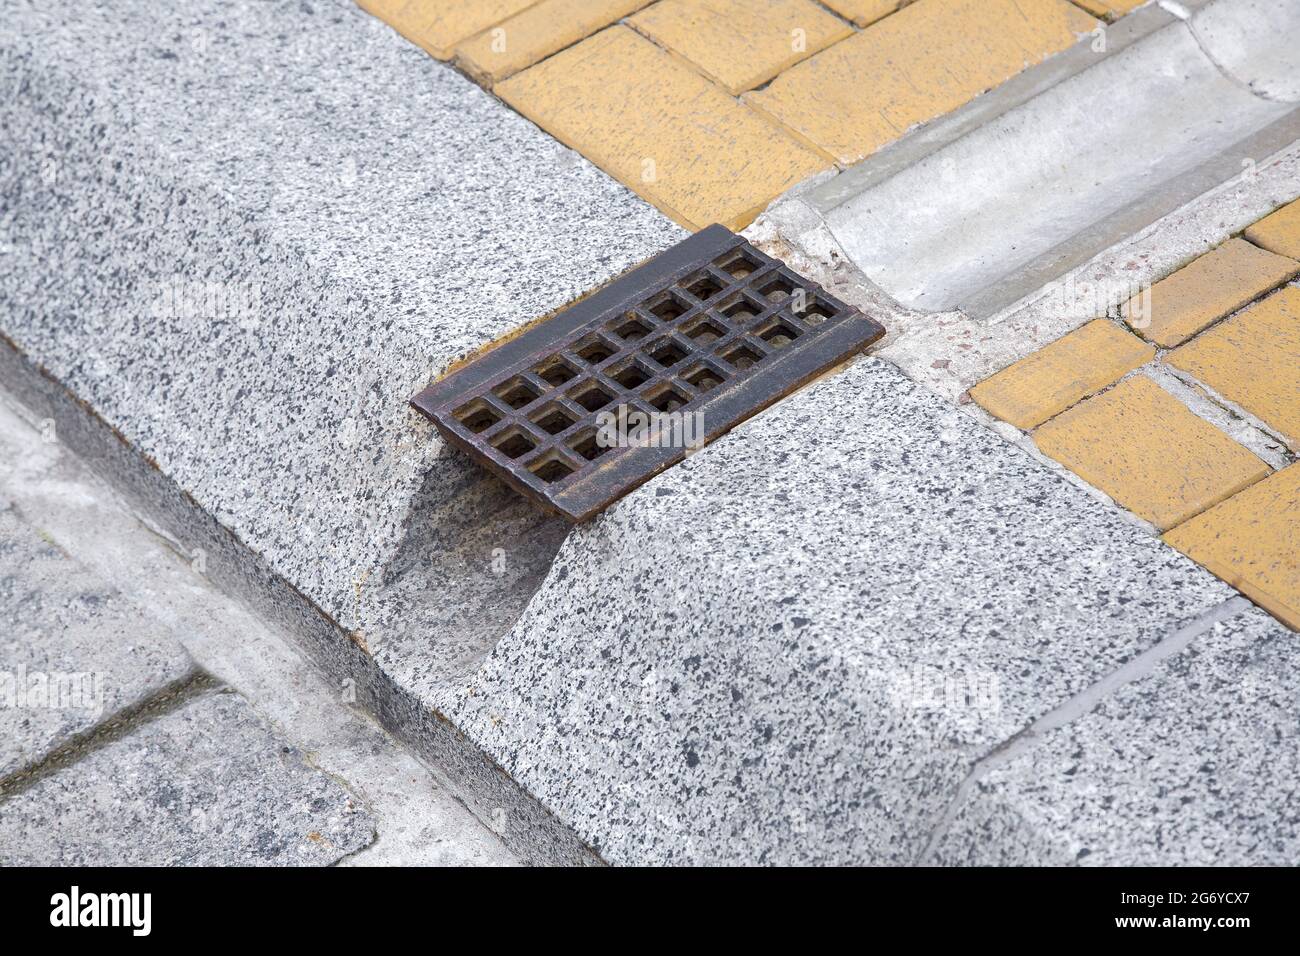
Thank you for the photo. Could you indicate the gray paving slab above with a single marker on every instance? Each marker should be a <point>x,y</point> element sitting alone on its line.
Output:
<point>204,785</point>
<point>794,646</point>
<point>419,819</point>
<point>275,223</point>
<point>1195,764</point>
<point>73,650</point>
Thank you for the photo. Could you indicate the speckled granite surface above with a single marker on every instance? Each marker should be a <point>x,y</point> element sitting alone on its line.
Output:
<point>792,647</point>
<point>149,800</point>
<point>1193,765</point>
<point>247,233</point>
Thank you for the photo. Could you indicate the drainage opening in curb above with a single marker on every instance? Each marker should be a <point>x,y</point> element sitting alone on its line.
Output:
<point>580,409</point>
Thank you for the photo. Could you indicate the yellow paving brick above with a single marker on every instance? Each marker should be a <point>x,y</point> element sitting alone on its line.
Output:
<point>863,12</point>
<point>1052,379</point>
<point>1279,232</point>
<point>1253,359</point>
<point>1252,541</point>
<point>653,123</point>
<point>741,43</point>
<point>1204,291</point>
<point>926,60</point>
<point>1109,8</point>
<point>438,25</point>
<point>1142,446</point>
<point>536,33</point>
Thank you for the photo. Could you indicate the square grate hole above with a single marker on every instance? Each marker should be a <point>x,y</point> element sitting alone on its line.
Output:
<point>517,393</point>
<point>703,287</point>
<point>593,350</point>
<point>667,353</point>
<point>514,443</point>
<point>588,445</point>
<point>742,311</point>
<point>667,308</point>
<point>779,334</point>
<point>631,329</point>
<point>705,332</point>
<point>704,378</point>
<point>555,372</point>
<point>814,312</point>
<point>477,416</point>
<point>734,330</point>
<point>631,376</point>
<point>777,289</point>
<point>552,467</point>
<point>553,419</point>
<point>591,396</point>
<point>666,398</point>
<point>742,357</point>
<point>739,265</point>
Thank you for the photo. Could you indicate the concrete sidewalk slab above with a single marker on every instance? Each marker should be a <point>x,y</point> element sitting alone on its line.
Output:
<point>418,819</point>
<point>73,651</point>
<point>1134,783</point>
<point>792,647</point>
<point>205,785</point>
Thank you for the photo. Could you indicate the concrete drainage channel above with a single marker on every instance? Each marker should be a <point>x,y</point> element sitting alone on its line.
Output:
<point>977,217</point>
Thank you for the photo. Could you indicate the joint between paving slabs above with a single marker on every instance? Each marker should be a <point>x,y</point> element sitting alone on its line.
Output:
<point>1076,706</point>
<point>113,728</point>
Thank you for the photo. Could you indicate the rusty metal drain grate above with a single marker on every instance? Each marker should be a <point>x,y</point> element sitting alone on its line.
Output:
<point>580,409</point>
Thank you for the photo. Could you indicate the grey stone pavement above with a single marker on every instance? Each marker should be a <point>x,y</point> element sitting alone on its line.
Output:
<point>189,732</point>
<point>861,628</point>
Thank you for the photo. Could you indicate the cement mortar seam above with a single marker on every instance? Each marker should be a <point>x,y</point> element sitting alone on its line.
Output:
<point>113,728</point>
<point>1080,705</point>
<point>1211,407</point>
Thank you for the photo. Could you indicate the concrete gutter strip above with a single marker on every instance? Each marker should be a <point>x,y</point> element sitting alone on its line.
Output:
<point>987,218</point>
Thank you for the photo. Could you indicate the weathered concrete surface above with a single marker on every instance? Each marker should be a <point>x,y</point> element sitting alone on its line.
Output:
<point>953,229</point>
<point>73,650</point>
<point>204,785</point>
<point>1193,765</point>
<point>416,817</point>
<point>794,646</point>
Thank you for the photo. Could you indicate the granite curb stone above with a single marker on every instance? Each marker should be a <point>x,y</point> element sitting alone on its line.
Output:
<point>792,647</point>
<point>1195,764</point>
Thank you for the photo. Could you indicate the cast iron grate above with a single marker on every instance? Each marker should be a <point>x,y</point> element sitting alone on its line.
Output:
<point>679,350</point>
